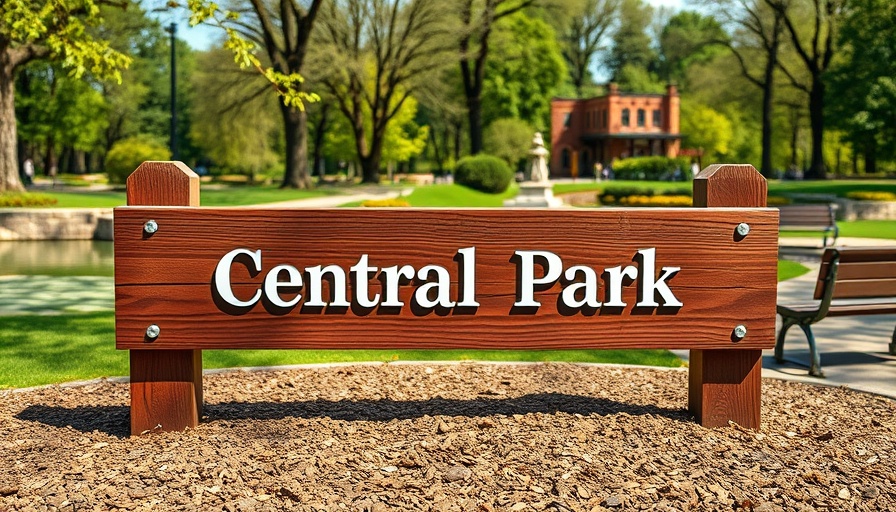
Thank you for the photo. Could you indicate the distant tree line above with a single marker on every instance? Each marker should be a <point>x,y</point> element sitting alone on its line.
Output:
<point>417,84</point>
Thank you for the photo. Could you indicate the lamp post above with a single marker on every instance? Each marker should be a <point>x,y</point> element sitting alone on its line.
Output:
<point>172,144</point>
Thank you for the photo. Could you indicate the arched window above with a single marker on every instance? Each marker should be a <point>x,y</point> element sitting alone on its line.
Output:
<point>564,158</point>
<point>626,117</point>
<point>657,118</point>
<point>642,117</point>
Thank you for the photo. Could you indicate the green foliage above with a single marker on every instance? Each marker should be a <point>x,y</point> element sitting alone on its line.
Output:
<point>652,168</point>
<point>631,42</point>
<point>523,73</point>
<point>509,139</point>
<point>871,196</point>
<point>61,27</point>
<point>483,172</point>
<point>688,38</point>
<point>287,85</point>
<point>25,200</point>
<point>237,128</point>
<point>127,154</point>
<point>706,128</point>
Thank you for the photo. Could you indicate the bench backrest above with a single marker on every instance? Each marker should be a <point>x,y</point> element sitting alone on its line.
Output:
<point>807,215</point>
<point>859,272</point>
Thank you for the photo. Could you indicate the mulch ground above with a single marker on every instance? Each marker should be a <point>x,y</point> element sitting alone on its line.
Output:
<point>471,437</point>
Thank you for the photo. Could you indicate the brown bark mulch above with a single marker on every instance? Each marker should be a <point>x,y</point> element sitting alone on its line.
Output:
<point>477,437</point>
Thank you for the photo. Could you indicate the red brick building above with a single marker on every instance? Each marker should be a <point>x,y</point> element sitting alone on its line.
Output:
<point>585,132</point>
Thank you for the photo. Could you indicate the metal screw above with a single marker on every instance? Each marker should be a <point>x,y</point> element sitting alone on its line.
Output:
<point>150,227</point>
<point>740,331</point>
<point>153,331</point>
<point>743,229</point>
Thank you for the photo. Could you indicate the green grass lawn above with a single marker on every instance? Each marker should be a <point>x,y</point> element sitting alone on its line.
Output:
<point>885,229</point>
<point>457,196</point>
<point>789,269</point>
<point>36,350</point>
<point>231,196</point>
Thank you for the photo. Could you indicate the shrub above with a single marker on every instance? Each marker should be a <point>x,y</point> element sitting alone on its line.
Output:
<point>127,154</point>
<point>385,203</point>
<point>653,168</point>
<point>25,200</point>
<point>871,196</point>
<point>483,172</point>
<point>777,201</point>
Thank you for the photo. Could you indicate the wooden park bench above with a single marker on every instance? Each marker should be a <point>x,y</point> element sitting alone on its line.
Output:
<point>810,217</point>
<point>189,279</point>
<point>851,281</point>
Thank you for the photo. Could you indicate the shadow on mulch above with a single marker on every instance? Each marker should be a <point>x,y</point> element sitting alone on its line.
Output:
<point>114,420</point>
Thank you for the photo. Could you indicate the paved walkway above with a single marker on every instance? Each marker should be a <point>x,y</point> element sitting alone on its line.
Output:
<point>854,349</point>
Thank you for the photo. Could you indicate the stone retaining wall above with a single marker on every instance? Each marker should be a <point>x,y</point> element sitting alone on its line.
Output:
<point>865,210</point>
<point>56,224</point>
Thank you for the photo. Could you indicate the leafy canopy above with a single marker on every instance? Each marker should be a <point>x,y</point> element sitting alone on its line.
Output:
<point>58,29</point>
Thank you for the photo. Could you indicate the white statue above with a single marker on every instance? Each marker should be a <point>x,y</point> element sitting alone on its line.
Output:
<point>539,154</point>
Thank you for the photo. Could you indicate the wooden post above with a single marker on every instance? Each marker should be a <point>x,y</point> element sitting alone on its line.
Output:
<point>725,385</point>
<point>166,385</point>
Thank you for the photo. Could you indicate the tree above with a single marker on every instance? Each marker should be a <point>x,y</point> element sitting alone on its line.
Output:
<point>584,35</point>
<point>816,51</point>
<point>510,140</point>
<point>707,129</point>
<point>479,19</point>
<point>521,79</point>
<point>379,52</point>
<point>283,28</point>
<point>688,38</point>
<point>757,38</point>
<point>57,112</point>
<point>862,83</point>
<point>631,42</point>
<point>235,119</point>
<point>49,29</point>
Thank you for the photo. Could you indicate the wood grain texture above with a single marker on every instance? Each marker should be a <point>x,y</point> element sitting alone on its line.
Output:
<point>166,387</point>
<point>725,385</point>
<point>166,279</point>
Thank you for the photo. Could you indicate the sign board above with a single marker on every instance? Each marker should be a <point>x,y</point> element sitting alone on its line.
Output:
<point>436,278</point>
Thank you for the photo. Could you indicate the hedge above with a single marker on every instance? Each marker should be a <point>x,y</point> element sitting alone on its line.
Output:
<point>652,168</point>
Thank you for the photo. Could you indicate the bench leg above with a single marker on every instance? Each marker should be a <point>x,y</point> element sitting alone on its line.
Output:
<point>893,344</point>
<point>779,343</point>
<point>814,356</point>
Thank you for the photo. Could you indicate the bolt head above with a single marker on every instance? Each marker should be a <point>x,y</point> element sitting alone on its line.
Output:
<point>153,331</point>
<point>150,227</point>
<point>740,331</point>
<point>743,229</point>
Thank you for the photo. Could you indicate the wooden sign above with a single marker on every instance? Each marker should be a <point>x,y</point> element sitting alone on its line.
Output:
<point>190,278</point>
<point>435,278</point>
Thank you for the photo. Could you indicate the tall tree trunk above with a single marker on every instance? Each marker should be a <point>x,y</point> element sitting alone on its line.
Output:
<point>870,155</point>
<point>768,88</point>
<point>817,168</point>
<point>370,163</point>
<point>9,160</point>
<point>474,116</point>
<point>51,162</point>
<point>320,129</point>
<point>295,123</point>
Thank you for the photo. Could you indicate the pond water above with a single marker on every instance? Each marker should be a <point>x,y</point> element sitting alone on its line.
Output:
<point>56,258</point>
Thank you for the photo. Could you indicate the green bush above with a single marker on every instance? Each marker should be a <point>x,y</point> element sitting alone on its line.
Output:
<point>127,154</point>
<point>482,172</point>
<point>25,200</point>
<point>652,168</point>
